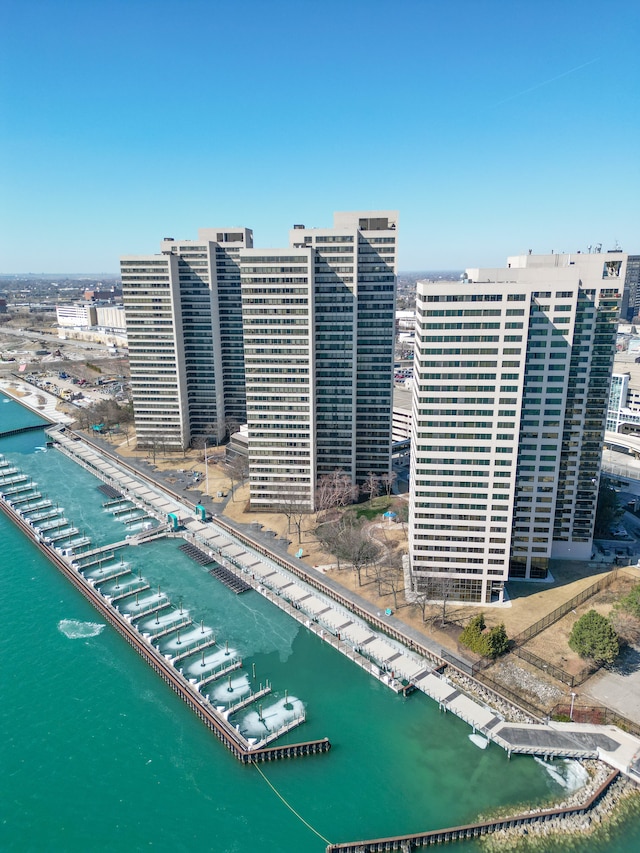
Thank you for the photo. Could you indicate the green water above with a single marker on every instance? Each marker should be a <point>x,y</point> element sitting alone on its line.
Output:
<point>98,754</point>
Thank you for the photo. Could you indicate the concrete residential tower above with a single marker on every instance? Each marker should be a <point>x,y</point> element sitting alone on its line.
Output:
<point>184,328</point>
<point>511,381</point>
<point>318,323</point>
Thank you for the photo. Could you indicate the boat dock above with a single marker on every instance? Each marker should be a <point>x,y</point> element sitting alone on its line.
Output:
<point>375,643</point>
<point>244,750</point>
<point>220,673</point>
<point>137,586</point>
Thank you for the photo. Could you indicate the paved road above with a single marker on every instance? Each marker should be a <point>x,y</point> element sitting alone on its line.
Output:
<point>619,688</point>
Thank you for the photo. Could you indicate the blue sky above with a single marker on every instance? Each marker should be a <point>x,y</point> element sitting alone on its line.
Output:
<point>493,127</point>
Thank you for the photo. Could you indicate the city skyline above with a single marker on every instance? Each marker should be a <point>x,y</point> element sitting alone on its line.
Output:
<point>492,129</point>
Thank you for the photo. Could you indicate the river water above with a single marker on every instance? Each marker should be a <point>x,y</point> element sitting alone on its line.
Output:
<point>97,753</point>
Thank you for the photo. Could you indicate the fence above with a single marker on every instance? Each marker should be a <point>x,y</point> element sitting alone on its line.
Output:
<point>596,714</point>
<point>555,671</point>
<point>561,611</point>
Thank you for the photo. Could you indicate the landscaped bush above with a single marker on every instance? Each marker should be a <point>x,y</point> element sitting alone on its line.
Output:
<point>631,602</point>
<point>489,644</point>
<point>594,637</point>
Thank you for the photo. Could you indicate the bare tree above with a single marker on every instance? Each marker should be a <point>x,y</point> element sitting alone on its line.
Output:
<point>371,486</point>
<point>388,575</point>
<point>296,510</point>
<point>237,469</point>
<point>232,425</point>
<point>440,590</point>
<point>421,600</point>
<point>126,429</point>
<point>626,626</point>
<point>394,576</point>
<point>329,535</point>
<point>357,547</point>
<point>388,480</point>
<point>402,512</point>
<point>334,490</point>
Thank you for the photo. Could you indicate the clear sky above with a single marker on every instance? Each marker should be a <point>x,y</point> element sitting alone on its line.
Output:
<point>493,126</point>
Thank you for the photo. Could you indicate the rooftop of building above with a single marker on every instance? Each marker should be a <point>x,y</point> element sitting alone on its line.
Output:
<point>402,399</point>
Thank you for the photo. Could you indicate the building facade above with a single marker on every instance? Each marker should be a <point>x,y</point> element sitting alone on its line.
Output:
<point>511,381</point>
<point>184,330</point>
<point>631,301</point>
<point>327,307</point>
<point>277,312</point>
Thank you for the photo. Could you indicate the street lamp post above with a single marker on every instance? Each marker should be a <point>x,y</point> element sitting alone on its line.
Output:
<point>206,469</point>
<point>573,696</point>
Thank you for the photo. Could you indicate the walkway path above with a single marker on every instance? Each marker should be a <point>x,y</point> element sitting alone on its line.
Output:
<point>32,399</point>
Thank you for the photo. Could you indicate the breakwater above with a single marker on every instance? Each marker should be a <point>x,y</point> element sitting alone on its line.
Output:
<point>573,818</point>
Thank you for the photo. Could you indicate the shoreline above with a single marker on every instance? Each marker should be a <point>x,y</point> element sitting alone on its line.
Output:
<point>619,801</point>
<point>602,816</point>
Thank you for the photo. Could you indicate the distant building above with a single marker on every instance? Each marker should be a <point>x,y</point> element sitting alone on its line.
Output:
<point>76,316</point>
<point>623,413</point>
<point>402,402</point>
<point>110,317</point>
<point>110,295</point>
<point>631,301</point>
<point>511,382</point>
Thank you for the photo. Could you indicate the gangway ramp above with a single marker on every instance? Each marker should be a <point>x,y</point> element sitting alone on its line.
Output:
<point>45,515</point>
<point>109,574</point>
<point>44,504</point>
<point>194,649</point>
<point>229,579</point>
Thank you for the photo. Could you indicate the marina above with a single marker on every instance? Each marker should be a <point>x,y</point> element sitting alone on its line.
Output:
<point>121,604</point>
<point>271,595</point>
<point>241,564</point>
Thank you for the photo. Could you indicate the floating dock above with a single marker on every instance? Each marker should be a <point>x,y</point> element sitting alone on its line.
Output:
<point>238,745</point>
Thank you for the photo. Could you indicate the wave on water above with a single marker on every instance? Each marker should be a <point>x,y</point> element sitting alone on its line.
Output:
<point>567,773</point>
<point>75,630</point>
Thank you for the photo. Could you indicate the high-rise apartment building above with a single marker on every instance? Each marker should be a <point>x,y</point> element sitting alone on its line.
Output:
<point>184,329</point>
<point>319,338</point>
<point>511,380</point>
<point>277,293</point>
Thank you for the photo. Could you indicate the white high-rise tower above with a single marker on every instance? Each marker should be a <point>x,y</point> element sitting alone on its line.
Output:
<point>511,380</point>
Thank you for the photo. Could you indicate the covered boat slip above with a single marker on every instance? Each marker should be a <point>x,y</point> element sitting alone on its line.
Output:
<point>304,598</point>
<point>131,488</point>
